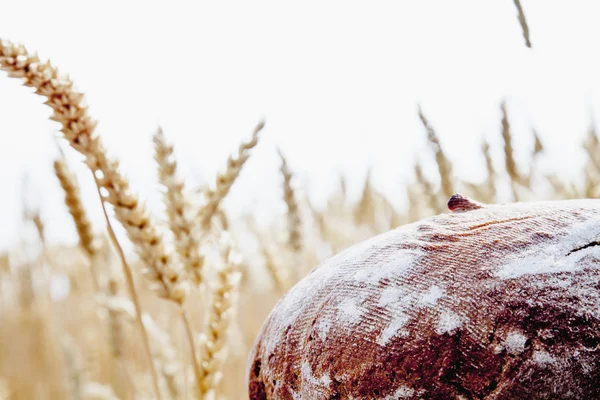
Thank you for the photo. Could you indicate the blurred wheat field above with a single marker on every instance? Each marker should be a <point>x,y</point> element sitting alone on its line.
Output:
<point>177,319</point>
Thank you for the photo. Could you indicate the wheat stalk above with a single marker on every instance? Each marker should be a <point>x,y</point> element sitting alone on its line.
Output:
<point>83,225</point>
<point>78,128</point>
<point>163,350</point>
<point>213,345</point>
<point>427,187</point>
<point>363,213</point>
<point>74,203</point>
<point>511,165</point>
<point>178,209</point>
<point>226,179</point>
<point>523,22</point>
<point>293,213</point>
<point>491,173</point>
<point>132,292</point>
<point>277,274</point>
<point>443,163</point>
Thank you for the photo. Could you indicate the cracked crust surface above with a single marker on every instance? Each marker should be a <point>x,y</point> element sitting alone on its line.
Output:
<point>500,302</point>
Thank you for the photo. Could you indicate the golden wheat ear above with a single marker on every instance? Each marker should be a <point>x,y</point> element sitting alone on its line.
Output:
<point>293,212</point>
<point>443,163</point>
<point>226,179</point>
<point>78,127</point>
<point>88,241</point>
<point>523,22</point>
<point>179,210</point>
<point>213,347</point>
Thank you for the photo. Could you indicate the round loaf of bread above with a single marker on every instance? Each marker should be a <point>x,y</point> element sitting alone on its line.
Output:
<point>494,302</point>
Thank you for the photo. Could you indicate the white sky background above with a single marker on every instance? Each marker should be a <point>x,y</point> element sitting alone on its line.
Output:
<point>338,83</point>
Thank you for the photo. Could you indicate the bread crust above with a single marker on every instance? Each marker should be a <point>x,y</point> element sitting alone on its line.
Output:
<point>499,302</point>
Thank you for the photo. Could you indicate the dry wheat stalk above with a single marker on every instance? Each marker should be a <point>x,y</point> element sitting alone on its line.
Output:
<point>163,350</point>
<point>36,218</point>
<point>226,179</point>
<point>26,290</point>
<point>73,361</point>
<point>278,274</point>
<point>443,163</point>
<point>87,239</point>
<point>538,146</point>
<point>592,147</point>
<point>178,209</point>
<point>428,190</point>
<point>364,210</point>
<point>511,165</point>
<point>117,341</point>
<point>68,182</point>
<point>491,174</point>
<point>132,292</point>
<point>213,345</point>
<point>561,190</point>
<point>523,23</point>
<point>78,128</point>
<point>293,214</point>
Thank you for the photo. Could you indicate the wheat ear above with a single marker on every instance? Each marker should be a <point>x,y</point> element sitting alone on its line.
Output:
<point>278,275</point>
<point>226,179</point>
<point>83,225</point>
<point>213,347</point>
<point>523,23</point>
<point>78,128</point>
<point>68,182</point>
<point>491,173</point>
<point>363,213</point>
<point>443,163</point>
<point>293,214</point>
<point>511,165</point>
<point>162,347</point>
<point>178,209</point>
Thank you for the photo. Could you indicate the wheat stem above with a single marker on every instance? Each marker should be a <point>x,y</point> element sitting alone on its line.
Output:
<point>132,293</point>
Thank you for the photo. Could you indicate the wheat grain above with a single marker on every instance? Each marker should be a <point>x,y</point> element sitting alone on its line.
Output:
<point>132,292</point>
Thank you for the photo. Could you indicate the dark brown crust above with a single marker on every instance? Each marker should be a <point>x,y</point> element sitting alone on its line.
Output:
<point>459,203</point>
<point>490,303</point>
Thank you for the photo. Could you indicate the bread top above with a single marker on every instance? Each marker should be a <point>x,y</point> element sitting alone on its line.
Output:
<point>439,307</point>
